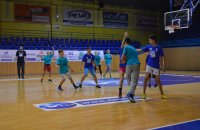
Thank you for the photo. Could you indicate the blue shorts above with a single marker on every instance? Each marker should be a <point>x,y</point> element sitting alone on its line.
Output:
<point>86,71</point>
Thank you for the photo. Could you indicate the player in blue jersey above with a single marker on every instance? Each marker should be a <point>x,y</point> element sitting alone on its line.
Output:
<point>153,64</point>
<point>152,75</point>
<point>47,64</point>
<point>88,60</point>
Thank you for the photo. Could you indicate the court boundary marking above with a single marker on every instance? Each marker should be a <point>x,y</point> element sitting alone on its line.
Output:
<point>174,124</point>
<point>2,80</point>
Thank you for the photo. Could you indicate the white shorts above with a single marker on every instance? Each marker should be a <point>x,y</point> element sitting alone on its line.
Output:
<point>64,76</point>
<point>152,70</point>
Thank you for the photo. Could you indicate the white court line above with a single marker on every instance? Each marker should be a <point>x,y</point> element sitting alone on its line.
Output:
<point>174,124</point>
<point>1,80</point>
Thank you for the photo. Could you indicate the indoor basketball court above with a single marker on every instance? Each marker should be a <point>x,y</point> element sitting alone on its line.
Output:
<point>85,64</point>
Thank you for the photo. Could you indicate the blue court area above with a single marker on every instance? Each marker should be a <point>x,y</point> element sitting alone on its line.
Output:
<point>191,125</point>
<point>167,79</point>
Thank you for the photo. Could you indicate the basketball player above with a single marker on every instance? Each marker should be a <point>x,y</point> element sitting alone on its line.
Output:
<point>130,56</point>
<point>47,64</point>
<point>108,62</point>
<point>97,61</point>
<point>88,60</point>
<point>21,58</point>
<point>151,76</point>
<point>64,72</point>
<point>153,64</point>
<point>122,66</point>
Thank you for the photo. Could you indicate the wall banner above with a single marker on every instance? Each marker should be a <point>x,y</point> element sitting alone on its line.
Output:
<point>79,17</point>
<point>115,20</point>
<point>146,22</point>
<point>31,13</point>
<point>35,55</point>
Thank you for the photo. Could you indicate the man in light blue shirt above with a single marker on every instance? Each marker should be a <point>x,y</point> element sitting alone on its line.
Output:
<point>130,56</point>
<point>108,62</point>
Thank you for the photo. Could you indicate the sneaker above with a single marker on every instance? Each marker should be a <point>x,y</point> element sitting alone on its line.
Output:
<point>75,87</point>
<point>149,85</point>
<point>59,88</point>
<point>41,80</point>
<point>98,86</point>
<point>163,96</point>
<point>120,95</point>
<point>155,85</point>
<point>80,85</point>
<point>130,97</point>
<point>50,80</point>
<point>144,96</point>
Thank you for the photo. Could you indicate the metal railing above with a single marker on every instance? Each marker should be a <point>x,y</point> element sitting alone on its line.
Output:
<point>48,34</point>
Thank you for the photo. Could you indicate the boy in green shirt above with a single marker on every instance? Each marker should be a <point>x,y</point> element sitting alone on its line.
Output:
<point>62,62</point>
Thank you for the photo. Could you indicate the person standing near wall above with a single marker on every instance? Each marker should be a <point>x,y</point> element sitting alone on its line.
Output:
<point>21,58</point>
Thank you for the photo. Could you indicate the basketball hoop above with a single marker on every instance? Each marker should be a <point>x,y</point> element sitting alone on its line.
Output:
<point>171,28</point>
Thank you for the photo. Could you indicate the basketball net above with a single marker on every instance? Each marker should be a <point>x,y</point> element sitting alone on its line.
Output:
<point>172,28</point>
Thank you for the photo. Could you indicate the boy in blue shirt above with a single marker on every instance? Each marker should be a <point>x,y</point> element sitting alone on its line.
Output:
<point>108,62</point>
<point>130,56</point>
<point>47,64</point>
<point>153,64</point>
<point>152,75</point>
<point>64,67</point>
<point>97,61</point>
<point>88,60</point>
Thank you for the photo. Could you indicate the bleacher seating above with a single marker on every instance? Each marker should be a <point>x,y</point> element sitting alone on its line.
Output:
<point>31,43</point>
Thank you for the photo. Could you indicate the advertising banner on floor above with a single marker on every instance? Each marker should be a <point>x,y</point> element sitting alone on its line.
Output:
<point>36,55</point>
<point>31,13</point>
<point>115,20</point>
<point>79,17</point>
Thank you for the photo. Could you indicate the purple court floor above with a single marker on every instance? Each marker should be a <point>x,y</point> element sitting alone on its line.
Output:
<point>167,79</point>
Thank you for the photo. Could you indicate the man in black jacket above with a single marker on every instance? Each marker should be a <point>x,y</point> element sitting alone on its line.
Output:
<point>21,58</point>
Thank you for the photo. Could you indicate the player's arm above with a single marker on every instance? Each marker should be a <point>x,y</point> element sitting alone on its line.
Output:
<point>163,63</point>
<point>25,59</point>
<point>123,59</point>
<point>123,42</point>
<point>52,52</point>
<point>16,56</point>
<point>70,68</point>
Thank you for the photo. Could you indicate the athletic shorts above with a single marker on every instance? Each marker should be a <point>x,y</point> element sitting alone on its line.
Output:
<point>47,68</point>
<point>152,70</point>
<point>86,71</point>
<point>122,69</point>
<point>66,75</point>
<point>108,67</point>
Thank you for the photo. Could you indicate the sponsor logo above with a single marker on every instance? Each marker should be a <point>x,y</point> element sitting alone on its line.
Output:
<point>82,103</point>
<point>78,14</point>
